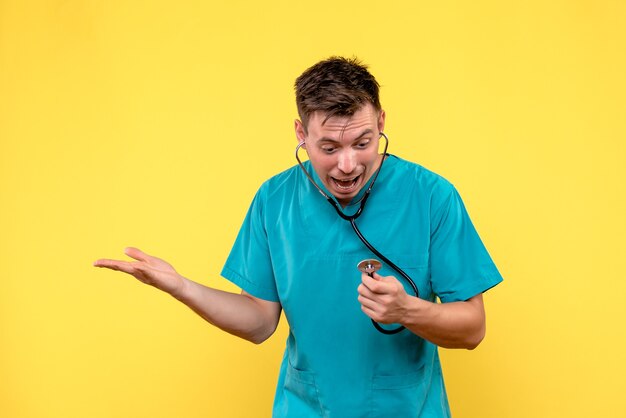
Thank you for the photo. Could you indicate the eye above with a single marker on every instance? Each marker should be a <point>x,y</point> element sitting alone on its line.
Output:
<point>328,149</point>
<point>363,144</point>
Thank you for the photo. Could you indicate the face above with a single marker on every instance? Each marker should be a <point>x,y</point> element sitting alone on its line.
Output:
<point>344,150</point>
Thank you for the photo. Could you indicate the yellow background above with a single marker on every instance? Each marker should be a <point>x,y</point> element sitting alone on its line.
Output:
<point>152,123</point>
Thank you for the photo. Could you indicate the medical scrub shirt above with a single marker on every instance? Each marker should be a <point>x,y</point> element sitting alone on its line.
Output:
<point>293,248</point>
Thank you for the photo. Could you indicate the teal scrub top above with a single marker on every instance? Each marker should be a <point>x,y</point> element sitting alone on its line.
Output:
<point>293,248</point>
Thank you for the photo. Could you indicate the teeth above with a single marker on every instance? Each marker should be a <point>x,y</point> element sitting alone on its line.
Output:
<point>352,179</point>
<point>341,183</point>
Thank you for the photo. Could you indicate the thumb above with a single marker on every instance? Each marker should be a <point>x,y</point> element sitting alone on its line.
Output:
<point>385,279</point>
<point>136,253</point>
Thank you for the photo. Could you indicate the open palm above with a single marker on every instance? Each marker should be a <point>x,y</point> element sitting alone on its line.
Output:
<point>147,269</point>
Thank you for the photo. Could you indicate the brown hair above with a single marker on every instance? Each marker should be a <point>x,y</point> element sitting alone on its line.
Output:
<point>336,86</point>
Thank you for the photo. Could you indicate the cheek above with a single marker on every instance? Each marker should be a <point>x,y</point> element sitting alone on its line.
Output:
<point>322,163</point>
<point>370,159</point>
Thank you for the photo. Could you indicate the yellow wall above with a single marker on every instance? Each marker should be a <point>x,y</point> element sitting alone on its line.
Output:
<point>152,124</point>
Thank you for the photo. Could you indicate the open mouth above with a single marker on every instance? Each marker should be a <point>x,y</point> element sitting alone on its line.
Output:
<point>346,184</point>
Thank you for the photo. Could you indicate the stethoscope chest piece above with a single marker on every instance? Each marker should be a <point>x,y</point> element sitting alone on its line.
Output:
<point>369,266</point>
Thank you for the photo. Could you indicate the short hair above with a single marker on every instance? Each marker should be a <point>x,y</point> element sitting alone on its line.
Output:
<point>336,86</point>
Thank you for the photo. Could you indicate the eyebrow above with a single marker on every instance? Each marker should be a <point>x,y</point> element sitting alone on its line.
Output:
<point>364,133</point>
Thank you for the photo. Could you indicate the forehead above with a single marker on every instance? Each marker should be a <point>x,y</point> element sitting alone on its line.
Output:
<point>364,118</point>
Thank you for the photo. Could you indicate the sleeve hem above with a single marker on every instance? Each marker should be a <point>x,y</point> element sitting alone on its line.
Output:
<point>485,284</point>
<point>246,285</point>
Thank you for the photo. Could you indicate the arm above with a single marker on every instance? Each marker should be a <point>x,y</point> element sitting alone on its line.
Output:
<point>242,314</point>
<point>450,325</point>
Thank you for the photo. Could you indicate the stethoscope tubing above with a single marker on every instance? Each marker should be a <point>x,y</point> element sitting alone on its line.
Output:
<point>352,218</point>
<point>393,266</point>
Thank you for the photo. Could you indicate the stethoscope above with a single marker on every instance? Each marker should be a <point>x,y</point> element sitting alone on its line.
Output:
<point>366,266</point>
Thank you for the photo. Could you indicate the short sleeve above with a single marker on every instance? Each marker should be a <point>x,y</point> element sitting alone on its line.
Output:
<point>459,262</point>
<point>249,264</point>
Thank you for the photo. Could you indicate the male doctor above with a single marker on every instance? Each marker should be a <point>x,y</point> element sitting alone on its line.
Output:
<point>295,254</point>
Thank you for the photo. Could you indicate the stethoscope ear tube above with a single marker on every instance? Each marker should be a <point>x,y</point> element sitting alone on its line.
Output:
<point>330,199</point>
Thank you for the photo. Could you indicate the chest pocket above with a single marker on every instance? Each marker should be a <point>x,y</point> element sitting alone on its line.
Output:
<point>416,267</point>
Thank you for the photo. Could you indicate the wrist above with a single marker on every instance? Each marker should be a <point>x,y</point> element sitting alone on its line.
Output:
<point>418,312</point>
<point>181,290</point>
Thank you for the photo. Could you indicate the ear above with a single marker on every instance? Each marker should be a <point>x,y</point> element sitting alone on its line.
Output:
<point>300,132</point>
<point>381,121</point>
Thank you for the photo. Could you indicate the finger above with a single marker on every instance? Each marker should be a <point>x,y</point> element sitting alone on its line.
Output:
<point>375,301</point>
<point>376,286</point>
<point>136,253</point>
<point>365,292</point>
<point>386,279</point>
<point>371,313</point>
<point>117,265</point>
<point>368,303</point>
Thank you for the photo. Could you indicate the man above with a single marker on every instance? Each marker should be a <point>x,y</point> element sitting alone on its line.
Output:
<point>295,253</point>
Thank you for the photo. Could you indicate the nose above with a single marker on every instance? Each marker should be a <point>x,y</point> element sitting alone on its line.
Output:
<point>347,161</point>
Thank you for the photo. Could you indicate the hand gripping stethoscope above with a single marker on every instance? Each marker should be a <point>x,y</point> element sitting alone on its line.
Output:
<point>366,266</point>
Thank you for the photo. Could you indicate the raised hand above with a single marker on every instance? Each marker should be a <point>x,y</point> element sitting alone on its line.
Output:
<point>147,269</point>
<point>242,315</point>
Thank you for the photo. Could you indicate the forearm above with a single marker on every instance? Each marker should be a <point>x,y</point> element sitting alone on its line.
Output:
<point>237,314</point>
<point>449,325</point>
